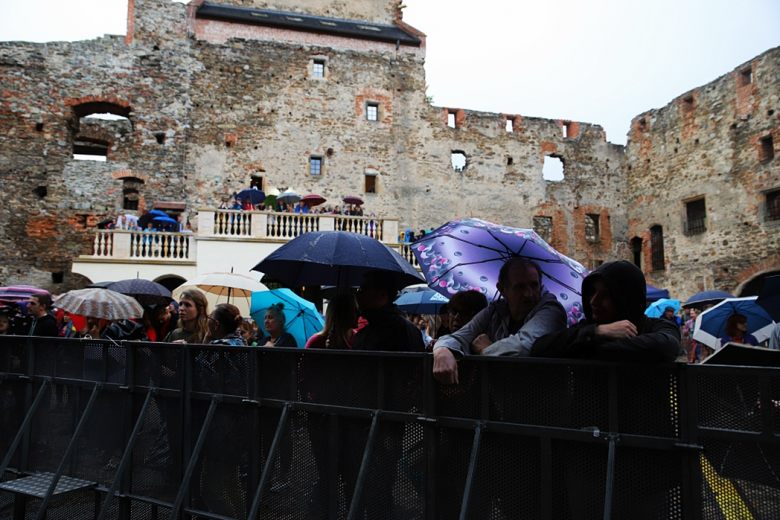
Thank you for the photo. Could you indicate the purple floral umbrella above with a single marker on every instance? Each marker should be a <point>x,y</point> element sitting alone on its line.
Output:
<point>467,254</point>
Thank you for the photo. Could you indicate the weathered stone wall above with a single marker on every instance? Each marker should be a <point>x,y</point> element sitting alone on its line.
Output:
<point>707,143</point>
<point>206,115</point>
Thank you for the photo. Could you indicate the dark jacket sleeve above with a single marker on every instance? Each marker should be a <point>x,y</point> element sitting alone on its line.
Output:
<point>659,341</point>
<point>287,340</point>
<point>575,342</point>
<point>47,327</point>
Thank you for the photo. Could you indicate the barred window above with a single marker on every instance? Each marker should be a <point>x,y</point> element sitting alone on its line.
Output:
<point>657,248</point>
<point>773,205</point>
<point>318,69</point>
<point>372,111</point>
<point>695,217</point>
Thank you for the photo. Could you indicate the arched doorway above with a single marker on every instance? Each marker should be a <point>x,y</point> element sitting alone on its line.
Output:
<point>753,286</point>
<point>170,281</point>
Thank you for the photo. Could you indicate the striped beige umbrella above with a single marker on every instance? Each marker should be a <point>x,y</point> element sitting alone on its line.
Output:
<point>100,303</point>
<point>224,288</point>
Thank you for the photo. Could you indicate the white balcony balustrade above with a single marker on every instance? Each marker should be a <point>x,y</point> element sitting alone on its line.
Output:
<point>120,244</point>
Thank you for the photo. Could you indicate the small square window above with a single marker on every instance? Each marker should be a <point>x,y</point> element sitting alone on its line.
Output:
<point>773,205</point>
<point>315,166</point>
<point>372,112</point>
<point>510,124</point>
<point>592,231</point>
<point>370,184</point>
<point>745,77</point>
<point>451,120</point>
<point>318,69</point>
<point>767,148</point>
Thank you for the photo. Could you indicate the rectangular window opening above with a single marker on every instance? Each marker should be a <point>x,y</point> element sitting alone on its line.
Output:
<point>318,69</point>
<point>370,184</point>
<point>767,148</point>
<point>565,129</point>
<point>510,124</point>
<point>372,111</point>
<point>657,248</point>
<point>636,250</point>
<point>315,165</point>
<point>773,205</point>
<point>695,217</point>
<point>451,119</point>
<point>746,77</point>
<point>688,104</point>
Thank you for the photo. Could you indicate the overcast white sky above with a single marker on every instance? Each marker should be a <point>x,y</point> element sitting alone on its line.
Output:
<point>597,61</point>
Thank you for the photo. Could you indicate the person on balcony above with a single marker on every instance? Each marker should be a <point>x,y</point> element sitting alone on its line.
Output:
<point>507,327</point>
<point>248,206</point>
<point>615,325</point>
<point>357,211</point>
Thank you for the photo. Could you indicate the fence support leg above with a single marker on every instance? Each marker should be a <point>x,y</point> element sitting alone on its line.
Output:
<point>363,469</point>
<point>126,456</point>
<point>472,469</point>
<point>53,485</point>
<point>23,428</point>
<point>613,438</point>
<point>269,463</point>
<point>185,483</point>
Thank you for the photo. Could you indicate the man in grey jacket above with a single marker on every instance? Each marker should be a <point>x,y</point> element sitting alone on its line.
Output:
<point>507,327</point>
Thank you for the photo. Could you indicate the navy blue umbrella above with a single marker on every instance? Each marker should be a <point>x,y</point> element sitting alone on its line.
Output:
<point>699,300</point>
<point>421,302</point>
<point>769,298</point>
<point>144,291</point>
<point>254,196</point>
<point>337,258</point>
<point>654,294</point>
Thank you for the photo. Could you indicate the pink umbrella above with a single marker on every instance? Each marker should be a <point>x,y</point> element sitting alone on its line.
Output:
<point>353,200</point>
<point>313,200</point>
<point>19,293</point>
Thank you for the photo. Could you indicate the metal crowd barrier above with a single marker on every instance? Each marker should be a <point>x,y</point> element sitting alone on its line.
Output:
<point>99,430</point>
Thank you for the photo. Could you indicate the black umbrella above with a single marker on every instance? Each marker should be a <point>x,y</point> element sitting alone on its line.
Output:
<point>769,298</point>
<point>254,196</point>
<point>103,223</point>
<point>144,220</point>
<point>145,292</point>
<point>337,258</point>
<point>699,300</point>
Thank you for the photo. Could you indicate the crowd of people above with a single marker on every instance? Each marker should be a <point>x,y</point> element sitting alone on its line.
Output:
<point>281,206</point>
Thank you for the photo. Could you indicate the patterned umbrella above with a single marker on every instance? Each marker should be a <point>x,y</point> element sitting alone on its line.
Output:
<point>467,255</point>
<point>100,303</point>
<point>19,293</point>
<point>144,291</point>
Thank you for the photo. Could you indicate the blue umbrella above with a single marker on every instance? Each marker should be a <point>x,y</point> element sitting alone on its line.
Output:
<point>337,258</point>
<point>711,324</point>
<point>657,308</point>
<point>164,220</point>
<point>699,300</point>
<point>769,298</point>
<point>421,302</point>
<point>157,213</point>
<point>654,294</point>
<point>302,318</point>
<point>255,196</point>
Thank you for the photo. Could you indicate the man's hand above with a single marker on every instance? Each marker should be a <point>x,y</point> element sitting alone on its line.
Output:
<point>617,330</point>
<point>445,368</point>
<point>480,344</point>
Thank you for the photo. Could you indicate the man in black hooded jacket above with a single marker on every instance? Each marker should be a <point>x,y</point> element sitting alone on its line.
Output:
<point>615,328</point>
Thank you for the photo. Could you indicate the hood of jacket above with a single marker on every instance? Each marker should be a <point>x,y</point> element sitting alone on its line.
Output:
<point>627,286</point>
<point>383,313</point>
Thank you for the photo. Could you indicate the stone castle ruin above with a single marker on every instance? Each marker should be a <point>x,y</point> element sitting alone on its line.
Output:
<point>330,98</point>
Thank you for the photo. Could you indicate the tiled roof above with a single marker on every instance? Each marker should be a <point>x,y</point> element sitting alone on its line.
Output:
<point>308,23</point>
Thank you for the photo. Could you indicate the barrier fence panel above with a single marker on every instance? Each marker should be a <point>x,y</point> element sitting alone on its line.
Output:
<point>208,431</point>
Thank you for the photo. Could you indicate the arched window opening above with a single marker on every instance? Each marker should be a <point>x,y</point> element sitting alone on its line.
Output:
<point>553,168</point>
<point>458,159</point>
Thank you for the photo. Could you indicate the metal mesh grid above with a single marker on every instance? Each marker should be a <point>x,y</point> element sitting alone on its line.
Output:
<point>648,484</point>
<point>403,384</point>
<point>579,476</point>
<point>156,462</point>
<point>220,482</point>
<point>740,480</point>
<point>12,413</point>
<point>73,506</point>
<point>13,355</point>
<point>101,442</point>
<point>221,372</point>
<point>275,374</point>
<point>531,394</point>
<point>648,402</point>
<point>461,400</point>
<point>776,409</point>
<point>729,402</point>
<point>159,366</point>
<point>350,381</point>
<point>506,481</point>
<point>453,448</point>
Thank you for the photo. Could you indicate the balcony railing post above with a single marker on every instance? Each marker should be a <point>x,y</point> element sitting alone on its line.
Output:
<point>205,223</point>
<point>259,224</point>
<point>389,232</point>
<point>327,223</point>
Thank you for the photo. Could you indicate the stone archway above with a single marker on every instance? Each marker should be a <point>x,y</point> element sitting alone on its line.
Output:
<point>753,286</point>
